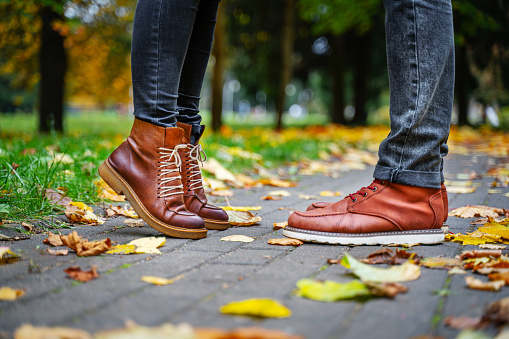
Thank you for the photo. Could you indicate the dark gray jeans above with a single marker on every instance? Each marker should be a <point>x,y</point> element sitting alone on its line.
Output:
<point>420,59</point>
<point>171,45</point>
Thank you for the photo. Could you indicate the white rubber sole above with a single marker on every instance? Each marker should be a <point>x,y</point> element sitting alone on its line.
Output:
<point>433,236</point>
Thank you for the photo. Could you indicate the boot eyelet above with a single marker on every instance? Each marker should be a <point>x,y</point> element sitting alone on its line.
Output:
<point>365,194</point>
<point>375,189</point>
<point>354,200</point>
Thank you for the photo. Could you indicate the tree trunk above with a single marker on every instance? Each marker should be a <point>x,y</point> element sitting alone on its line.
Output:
<point>461,85</point>
<point>361,48</point>
<point>338,74</point>
<point>53,65</point>
<point>218,51</point>
<point>287,41</point>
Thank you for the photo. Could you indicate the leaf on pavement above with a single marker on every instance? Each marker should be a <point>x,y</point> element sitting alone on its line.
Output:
<point>330,291</point>
<point>477,284</point>
<point>307,197</point>
<point>122,249</point>
<point>456,270</point>
<point>330,193</point>
<point>497,312</point>
<point>56,197</point>
<point>134,222</point>
<point>83,247</point>
<point>387,256</point>
<point>462,322</point>
<point>500,276</point>
<point>404,272</point>
<point>468,240</point>
<point>280,193</point>
<point>241,208</point>
<point>471,211</point>
<point>53,239</point>
<point>242,218</point>
<point>64,251</point>
<point>6,255</point>
<point>118,210</point>
<point>237,238</point>
<point>29,332</point>
<point>492,246</point>
<point>7,293</point>
<point>243,333</point>
<point>277,182</point>
<point>78,212</point>
<point>75,272</point>
<point>460,189</point>
<point>386,289</point>
<point>81,206</point>
<point>265,308</point>
<point>157,280</point>
<point>441,262</point>
<point>148,245</point>
<point>221,193</point>
<point>280,225</point>
<point>285,242</point>
<point>270,197</point>
<point>480,254</point>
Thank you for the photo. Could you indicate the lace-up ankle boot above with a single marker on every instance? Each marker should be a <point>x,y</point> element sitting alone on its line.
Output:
<point>146,169</point>
<point>381,213</point>
<point>194,196</point>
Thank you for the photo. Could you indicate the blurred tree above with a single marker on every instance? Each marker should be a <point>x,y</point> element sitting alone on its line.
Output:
<point>219,54</point>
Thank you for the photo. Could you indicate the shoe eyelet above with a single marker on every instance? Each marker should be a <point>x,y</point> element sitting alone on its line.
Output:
<point>354,200</point>
<point>365,194</point>
<point>375,189</point>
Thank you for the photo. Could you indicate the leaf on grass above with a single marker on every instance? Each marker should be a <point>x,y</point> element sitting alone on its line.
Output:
<point>53,239</point>
<point>64,251</point>
<point>330,291</point>
<point>220,173</point>
<point>75,272</point>
<point>6,255</point>
<point>277,182</point>
<point>441,263</point>
<point>118,210</point>
<point>265,308</point>
<point>280,225</point>
<point>330,193</point>
<point>387,256</point>
<point>83,247</point>
<point>480,254</point>
<point>242,218</point>
<point>29,332</point>
<point>27,226</point>
<point>477,284</point>
<point>461,323</point>
<point>148,245</point>
<point>285,242</point>
<point>157,280</point>
<point>7,293</point>
<point>471,211</point>
<point>241,208</point>
<point>404,272</point>
<point>270,197</point>
<point>56,197</point>
<point>106,192</point>
<point>237,238</point>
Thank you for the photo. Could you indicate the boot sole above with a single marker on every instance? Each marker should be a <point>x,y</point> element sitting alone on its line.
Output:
<point>433,236</point>
<point>120,186</point>
<point>217,225</point>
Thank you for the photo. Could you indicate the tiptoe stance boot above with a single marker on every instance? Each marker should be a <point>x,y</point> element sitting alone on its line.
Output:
<point>145,168</point>
<point>194,196</point>
<point>381,213</point>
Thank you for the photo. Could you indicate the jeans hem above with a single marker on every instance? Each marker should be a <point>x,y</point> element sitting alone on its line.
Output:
<point>407,177</point>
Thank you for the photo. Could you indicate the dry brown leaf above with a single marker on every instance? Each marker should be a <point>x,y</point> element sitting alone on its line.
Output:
<point>242,218</point>
<point>64,251</point>
<point>27,226</point>
<point>386,289</point>
<point>29,332</point>
<point>280,225</point>
<point>497,312</point>
<point>387,256</point>
<point>80,216</point>
<point>118,210</point>
<point>441,263</point>
<point>285,242</point>
<point>462,322</point>
<point>134,222</point>
<point>277,182</point>
<point>243,333</point>
<point>477,284</point>
<point>237,238</point>
<point>500,276</point>
<point>83,247</point>
<point>57,197</point>
<point>270,197</point>
<point>7,293</point>
<point>335,261</point>
<point>75,272</point>
<point>221,193</point>
<point>471,211</point>
<point>53,239</point>
<point>480,254</point>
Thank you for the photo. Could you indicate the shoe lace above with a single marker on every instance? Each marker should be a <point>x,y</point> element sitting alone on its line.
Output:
<point>170,158</point>
<point>197,154</point>
<point>363,193</point>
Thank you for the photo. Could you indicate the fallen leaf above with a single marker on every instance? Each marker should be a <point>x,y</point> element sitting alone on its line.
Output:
<point>265,308</point>
<point>248,181</point>
<point>497,312</point>
<point>27,331</point>
<point>6,255</point>
<point>243,333</point>
<point>460,190</point>
<point>81,213</point>
<point>492,246</point>
<point>220,173</point>
<point>157,280</point>
<point>480,254</point>
<point>64,251</point>
<point>330,291</point>
<point>56,197</point>
<point>280,193</point>
<point>456,270</point>
<point>53,239</point>
<point>122,249</point>
<point>277,182</point>
<point>221,193</point>
<point>81,206</point>
<point>466,239</point>
<point>285,242</point>
<point>241,208</point>
<point>270,197</point>
<point>238,238</point>
<point>27,226</point>
<point>118,210</point>
<point>134,222</point>
<point>106,192</point>
<point>280,225</point>
<point>477,284</point>
<point>83,247</point>
<point>330,193</point>
<point>75,272</point>
<point>462,322</point>
<point>405,272</point>
<point>471,211</point>
<point>307,197</point>
<point>7,293</point>
<point>387,256</point>
<point>500,276</point>
<point>494,191</point>
<point>386,289</point>
<point>335,261</point>
<point>148,245</point>
<point>242,218</point>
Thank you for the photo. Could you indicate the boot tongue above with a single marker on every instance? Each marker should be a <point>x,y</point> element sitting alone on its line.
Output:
<point>196,133</point>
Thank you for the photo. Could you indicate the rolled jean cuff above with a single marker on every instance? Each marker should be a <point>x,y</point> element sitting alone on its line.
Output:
<point>411,178</point>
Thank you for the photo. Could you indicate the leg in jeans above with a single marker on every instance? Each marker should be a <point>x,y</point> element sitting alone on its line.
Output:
<point>404,204</point>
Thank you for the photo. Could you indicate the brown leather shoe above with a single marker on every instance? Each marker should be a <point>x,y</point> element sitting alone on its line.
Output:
<point>194,195</point>
<point>145,168</point>
<point>381,213</point>
<point>443,190</point>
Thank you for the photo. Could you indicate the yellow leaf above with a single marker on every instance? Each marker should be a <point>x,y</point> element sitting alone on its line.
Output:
<point>29,332</point>
<point>241,208</point>
<point>122,249</point>
<point>441,262</point>
<point>127,211</point>
<point>280,193</point>
<point>237,238</point>
<point>106,192</point>
<point>81,206</point>
<point>7,293</point>
<point>307,197</point>
<point>471,211</point>
<point>277,182</point>
<point>330,193</point>
<point>148,245</point>
<point>157,280</point>
<point>221,193</point>
<point>460,190</point>
<point>280,225</point>
<point>87,217</point>
<point>6,255</point>
<point>330,291</point>
<point>495,229</point>
<point>285,242</point>
<point>213,166</point>
<point>465,239</point>
<point>242,218</point>
<point>266,308</point>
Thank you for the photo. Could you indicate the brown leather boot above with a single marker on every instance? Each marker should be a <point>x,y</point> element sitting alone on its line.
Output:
<point>443,190</point>
<point>145,168</point>
<point>194,195</point>
<point>381,213</point>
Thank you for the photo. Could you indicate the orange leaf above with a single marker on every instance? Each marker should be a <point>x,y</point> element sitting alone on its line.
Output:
<point>285,242</point>
<point>75,272</point>
<point>53,240</point>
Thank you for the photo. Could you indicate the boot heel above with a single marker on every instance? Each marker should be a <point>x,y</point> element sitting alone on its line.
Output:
<point>110,178</point>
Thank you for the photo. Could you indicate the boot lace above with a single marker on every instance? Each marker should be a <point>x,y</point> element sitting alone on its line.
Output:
<point>197,154</point>
<point>363,193</point>
<point>170,158</point>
